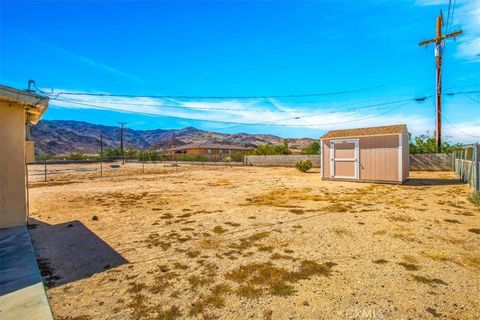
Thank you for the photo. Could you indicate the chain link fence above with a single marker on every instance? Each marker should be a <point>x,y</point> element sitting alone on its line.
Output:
<point>44,170</point>
<point>466,163</point>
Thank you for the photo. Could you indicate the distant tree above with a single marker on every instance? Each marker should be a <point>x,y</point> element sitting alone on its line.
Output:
<point>149,156</point>
<point>76,156</point>
<point>112,152</point>
<point>312,148</point>
<point>427,144</point>
<point>130,152</point>
<point>271,149</point>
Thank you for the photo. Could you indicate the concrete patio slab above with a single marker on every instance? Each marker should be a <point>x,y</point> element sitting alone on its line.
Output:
<point>22,293</point>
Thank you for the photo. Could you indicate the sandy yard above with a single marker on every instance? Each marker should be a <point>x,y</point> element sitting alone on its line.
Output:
<point>254,243</point>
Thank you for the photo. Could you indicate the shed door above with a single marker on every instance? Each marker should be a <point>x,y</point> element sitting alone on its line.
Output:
<point>344,159</point>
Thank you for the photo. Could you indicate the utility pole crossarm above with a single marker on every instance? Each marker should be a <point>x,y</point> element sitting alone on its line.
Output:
<point>443,37</point>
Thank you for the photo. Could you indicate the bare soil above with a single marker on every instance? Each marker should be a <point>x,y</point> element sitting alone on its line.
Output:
<point>253,243</point>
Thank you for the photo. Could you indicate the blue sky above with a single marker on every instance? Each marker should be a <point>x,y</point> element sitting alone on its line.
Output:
<point>245,49</point>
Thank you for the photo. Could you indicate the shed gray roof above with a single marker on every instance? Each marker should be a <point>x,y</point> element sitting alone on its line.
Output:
<point>362,132</point>
<point>209,146</point>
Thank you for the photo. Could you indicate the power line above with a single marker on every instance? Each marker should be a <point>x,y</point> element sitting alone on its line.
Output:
<point>241,123</point>
<point>472,98</point>
<point>375,105</point>
<point>459,130</point>
<point>318,94</point>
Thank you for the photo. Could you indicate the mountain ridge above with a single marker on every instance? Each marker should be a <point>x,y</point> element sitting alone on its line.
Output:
<point>67,136</point>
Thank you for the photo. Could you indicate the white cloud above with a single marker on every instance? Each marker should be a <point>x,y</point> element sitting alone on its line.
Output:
<point>431,2</point>
<point>242,114</point>
<point>466,16</point>
<point>88,61</point>
<point>465,132</point>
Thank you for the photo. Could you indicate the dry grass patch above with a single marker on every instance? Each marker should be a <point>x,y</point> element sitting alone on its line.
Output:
<point>277,280</point>
<point>409,266</point>
<point>214,299</point>
<point>430,281</point>
<point>232,224</point>
<point>475,230</point>
<point>337,207</point>
<point>284,197</point>
<point>341,232</point>
<point>219,183</point>
<point>297,211</point>
<point>451,220</point>
<point>400,218</point>
<point>435,255</point>
<point>219,230</point>
<point>248,242</point>
<point>380,261</point>
<point>249,291</point>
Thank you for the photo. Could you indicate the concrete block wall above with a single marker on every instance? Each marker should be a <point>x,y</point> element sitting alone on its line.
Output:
<point>431,162</point>
<point>281,160</point>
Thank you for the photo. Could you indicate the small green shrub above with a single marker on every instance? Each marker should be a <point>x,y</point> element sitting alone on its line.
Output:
<point>475,198</point>
<point>303,165</point>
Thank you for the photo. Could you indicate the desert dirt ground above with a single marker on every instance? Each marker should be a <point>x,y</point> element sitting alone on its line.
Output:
<point>223,242</point>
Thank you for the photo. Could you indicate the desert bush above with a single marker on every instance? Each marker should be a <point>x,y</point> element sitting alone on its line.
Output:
<point>237,156</point>
<point>304,165</point>
<point>475,198</point>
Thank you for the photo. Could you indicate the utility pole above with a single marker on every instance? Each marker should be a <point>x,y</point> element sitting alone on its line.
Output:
<point>439,42</point>
<point>122,126</point>
<point>101,155</point>
<point>101,145</point>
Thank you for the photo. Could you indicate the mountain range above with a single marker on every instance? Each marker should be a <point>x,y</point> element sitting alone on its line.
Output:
<point>67,136</point>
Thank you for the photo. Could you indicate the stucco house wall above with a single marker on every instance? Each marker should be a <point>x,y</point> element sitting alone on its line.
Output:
<point>13,208</point>
<point>17,108</point>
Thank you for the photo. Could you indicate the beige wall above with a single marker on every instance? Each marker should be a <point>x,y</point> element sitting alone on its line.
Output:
<point>29,151</point>
<point>13,208</point>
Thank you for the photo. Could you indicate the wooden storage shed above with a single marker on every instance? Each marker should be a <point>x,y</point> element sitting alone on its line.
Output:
<point>375,154</point>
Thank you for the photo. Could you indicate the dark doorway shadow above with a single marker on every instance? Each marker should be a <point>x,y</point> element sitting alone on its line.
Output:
<point>416,182</point>
<point>70,251</point>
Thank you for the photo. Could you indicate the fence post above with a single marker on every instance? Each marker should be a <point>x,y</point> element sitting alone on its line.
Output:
<point>101,167</point>
<point>476,166</point>
<point>45,165</point>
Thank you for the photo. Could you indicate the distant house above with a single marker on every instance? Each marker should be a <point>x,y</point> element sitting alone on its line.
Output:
<point>208,148</point>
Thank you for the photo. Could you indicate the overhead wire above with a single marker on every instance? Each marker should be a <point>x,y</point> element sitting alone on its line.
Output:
<point>228,122</point>
<point>317,94</point>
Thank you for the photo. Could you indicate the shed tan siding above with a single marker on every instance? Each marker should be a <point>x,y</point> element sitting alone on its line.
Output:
<point>379,158</point>
<point>326,158</point>
<point>406,156</point>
